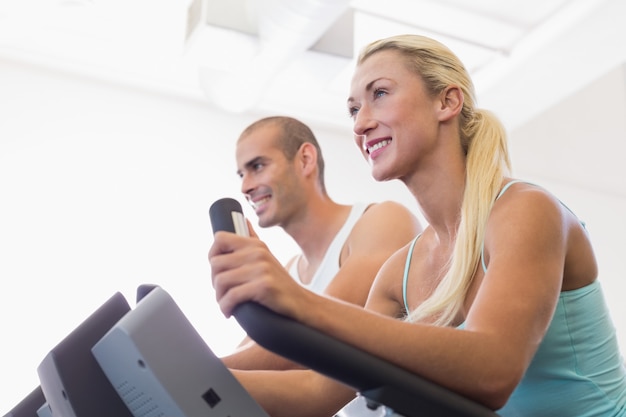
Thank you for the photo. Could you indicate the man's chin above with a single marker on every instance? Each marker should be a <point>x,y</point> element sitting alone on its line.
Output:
<point>264,223</point>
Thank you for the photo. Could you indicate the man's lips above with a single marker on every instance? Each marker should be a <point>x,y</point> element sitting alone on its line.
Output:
<point>258,202</point>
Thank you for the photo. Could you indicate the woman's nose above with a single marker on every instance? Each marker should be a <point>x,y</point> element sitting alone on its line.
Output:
<point>363,122</point>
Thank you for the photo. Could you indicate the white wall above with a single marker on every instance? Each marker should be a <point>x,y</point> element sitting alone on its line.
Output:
<point>103,189</point>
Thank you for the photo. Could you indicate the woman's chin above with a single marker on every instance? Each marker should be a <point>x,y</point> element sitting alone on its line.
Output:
<point>380,176</point>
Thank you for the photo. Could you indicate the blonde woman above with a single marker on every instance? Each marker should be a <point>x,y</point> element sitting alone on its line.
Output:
<point>498,299</point>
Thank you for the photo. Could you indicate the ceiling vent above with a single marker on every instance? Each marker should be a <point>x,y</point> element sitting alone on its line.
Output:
<point>273,34</point>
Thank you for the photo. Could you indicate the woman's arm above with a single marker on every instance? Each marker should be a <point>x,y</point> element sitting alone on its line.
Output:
<point>384,228</point>
<point>506,317</point>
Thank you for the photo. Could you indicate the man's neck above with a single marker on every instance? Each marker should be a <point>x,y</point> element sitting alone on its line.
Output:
<point>314,233</point>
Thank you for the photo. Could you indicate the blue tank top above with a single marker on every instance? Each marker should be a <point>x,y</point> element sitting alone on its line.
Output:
<point>577,369</point>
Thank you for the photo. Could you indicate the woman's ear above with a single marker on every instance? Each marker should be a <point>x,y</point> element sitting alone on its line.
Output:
<point>451,100</point>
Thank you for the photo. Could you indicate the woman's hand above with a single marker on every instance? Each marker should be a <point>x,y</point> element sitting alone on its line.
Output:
<point>244,269</point>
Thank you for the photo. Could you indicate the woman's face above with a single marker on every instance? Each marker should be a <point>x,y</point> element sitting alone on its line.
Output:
<point>395,120</point>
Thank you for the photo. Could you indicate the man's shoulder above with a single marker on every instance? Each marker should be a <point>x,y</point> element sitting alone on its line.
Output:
<point>385,206</point>
<point>385,225</point>
<point>381,214</point>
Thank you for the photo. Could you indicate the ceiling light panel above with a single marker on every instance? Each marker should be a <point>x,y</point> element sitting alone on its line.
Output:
<point>368,28</point>
<point>523,13</point>
<point>471,27</point>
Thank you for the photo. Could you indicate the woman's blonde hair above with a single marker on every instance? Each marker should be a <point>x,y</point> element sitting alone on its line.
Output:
<point>484,142</point>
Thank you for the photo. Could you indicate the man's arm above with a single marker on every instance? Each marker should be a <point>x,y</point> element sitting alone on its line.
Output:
<point>382,230</point>
<point>249,355</point>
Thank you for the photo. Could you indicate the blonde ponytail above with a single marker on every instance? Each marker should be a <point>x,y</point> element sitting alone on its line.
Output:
<point>487,164</point>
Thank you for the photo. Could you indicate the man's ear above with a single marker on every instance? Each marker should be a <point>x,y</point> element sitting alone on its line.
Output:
<point>451,103</point>
<point>307,157</point>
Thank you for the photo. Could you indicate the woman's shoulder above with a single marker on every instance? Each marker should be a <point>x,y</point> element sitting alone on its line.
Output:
<point>525,206</point>
<point>527,194</point>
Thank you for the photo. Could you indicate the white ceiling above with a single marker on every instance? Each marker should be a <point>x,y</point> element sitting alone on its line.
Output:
<point>280,56</point>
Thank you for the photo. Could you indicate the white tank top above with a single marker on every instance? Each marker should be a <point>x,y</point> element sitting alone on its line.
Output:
<point>330,264</point>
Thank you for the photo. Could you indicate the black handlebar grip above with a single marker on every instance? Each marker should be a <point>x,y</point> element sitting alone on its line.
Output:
<point>226,215</point>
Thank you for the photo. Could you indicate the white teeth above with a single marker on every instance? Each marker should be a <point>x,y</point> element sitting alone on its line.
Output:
<point>256,204</point>
<point>379,145</point>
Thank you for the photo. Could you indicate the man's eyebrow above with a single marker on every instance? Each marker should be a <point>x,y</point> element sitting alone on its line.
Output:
<point>250,164</point>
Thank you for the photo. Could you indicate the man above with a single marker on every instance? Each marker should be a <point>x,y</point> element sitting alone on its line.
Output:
<point>282,171</point>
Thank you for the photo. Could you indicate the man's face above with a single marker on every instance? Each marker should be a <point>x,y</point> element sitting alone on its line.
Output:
<point>267,177</point>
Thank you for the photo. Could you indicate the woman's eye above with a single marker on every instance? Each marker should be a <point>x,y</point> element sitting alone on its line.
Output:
<point>379,93</point>
<point>352,111</point>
